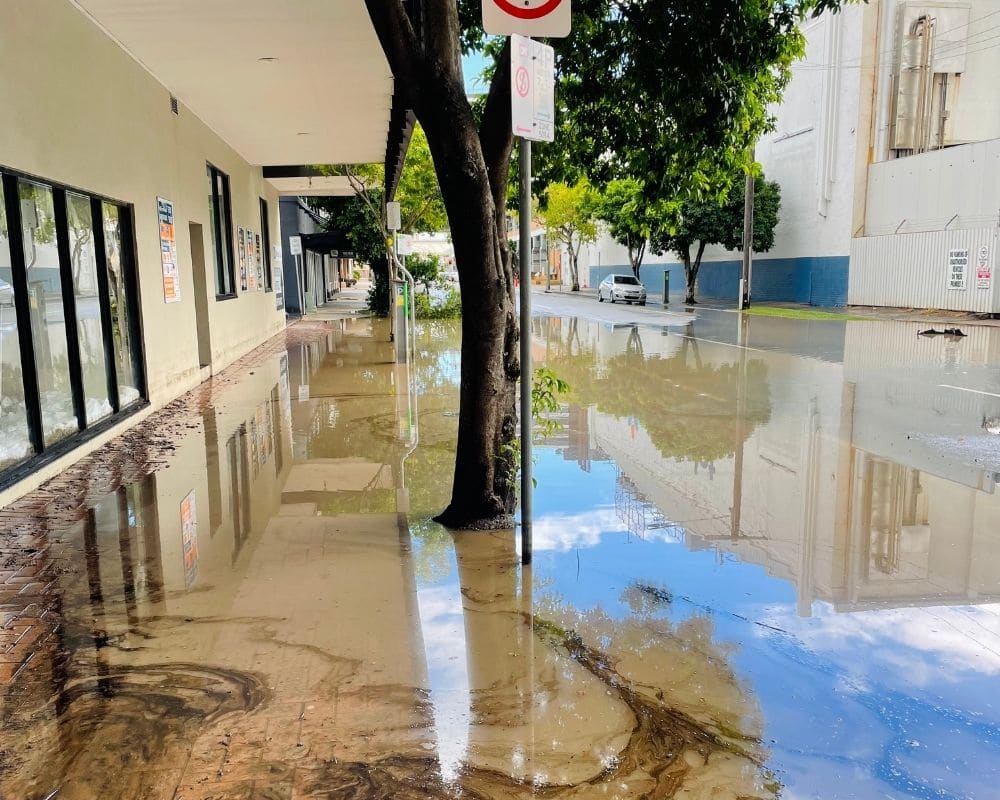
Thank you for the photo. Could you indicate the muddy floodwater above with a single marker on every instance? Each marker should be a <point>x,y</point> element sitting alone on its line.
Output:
<point>766,565</point>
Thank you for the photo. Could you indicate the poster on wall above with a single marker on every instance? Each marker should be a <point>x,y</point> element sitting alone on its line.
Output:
<point>958,262</point>
<point>241,245</point>
<point>259,256</point>
<point>277,277</point>
<point>252,284</point>
<point>189,538</point>
<point>168,251</point>
<point>984,269</point>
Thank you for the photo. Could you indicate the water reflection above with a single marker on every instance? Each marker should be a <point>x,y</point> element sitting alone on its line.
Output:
<point>749,583</point>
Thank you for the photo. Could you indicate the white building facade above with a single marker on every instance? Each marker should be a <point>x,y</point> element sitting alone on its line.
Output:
<point>885,150</point>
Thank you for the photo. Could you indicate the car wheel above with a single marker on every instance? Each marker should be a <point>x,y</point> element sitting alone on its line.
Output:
<point>611,297</point>
<point>600,297</point>
<point>642,302</point>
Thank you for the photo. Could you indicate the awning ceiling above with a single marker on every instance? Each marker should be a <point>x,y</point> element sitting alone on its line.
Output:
<point>282,81</point>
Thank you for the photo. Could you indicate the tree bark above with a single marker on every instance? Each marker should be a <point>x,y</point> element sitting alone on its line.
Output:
<point>574,268</point>
<point>472,171</point>
<point>691,270</point>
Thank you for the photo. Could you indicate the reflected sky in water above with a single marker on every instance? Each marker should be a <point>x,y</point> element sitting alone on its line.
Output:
<point>767,564</point>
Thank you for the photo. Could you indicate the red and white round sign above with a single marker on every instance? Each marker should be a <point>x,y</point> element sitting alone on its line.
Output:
<point>526,17</point>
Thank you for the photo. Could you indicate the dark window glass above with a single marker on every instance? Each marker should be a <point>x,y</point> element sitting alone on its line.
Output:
<point>45,299</point>
<point>122,314</point>
<point>15,443</point>
<point>90,335</point>
<point>221,226</point>
<point>265,243</point>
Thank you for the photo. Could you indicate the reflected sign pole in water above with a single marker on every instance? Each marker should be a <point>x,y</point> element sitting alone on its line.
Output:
<point>524,262</point>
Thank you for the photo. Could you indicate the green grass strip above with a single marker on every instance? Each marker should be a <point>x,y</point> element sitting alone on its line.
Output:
<point>800,313</point>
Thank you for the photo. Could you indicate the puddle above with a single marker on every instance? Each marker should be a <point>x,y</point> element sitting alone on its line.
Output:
<point>759,573</point>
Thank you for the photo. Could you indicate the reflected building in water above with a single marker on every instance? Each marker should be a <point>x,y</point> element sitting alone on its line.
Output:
<point>811,467</point>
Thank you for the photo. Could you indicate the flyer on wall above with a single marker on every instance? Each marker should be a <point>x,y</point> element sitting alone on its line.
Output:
<point>168,251</point>
<point>241,246</point>
<point>251,269</point>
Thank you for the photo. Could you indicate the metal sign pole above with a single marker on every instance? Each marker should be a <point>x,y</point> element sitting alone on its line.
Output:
<point>524,259</point>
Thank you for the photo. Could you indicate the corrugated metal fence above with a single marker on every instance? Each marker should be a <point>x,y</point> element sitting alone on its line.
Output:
<point>954,270</point>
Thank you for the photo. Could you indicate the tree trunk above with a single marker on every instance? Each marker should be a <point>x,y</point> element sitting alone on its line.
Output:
<point>574,270</point>
<point>691,272</point>
<point>472,168</point>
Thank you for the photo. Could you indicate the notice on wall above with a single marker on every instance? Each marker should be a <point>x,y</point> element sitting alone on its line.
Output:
<point>984,269</point>
<point>958,264</point>
<point>168,251</point>
<point>277,278</point>
<point>241,249</point>
<point>250,274</point>
<point>259,258</point>
<point>189,538</point>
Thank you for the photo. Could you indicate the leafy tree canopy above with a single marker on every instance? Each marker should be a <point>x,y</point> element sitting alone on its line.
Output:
<point>570,219</point>
<point>709,221</point>
<point>631,218</point>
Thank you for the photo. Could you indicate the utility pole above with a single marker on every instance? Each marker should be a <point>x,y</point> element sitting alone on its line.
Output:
<point>746,274</point>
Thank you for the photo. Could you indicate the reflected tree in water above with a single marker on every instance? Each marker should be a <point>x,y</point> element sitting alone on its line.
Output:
<point>687,405</point>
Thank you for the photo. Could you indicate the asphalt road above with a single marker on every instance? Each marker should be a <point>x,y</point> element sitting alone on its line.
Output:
<point>585,305</point>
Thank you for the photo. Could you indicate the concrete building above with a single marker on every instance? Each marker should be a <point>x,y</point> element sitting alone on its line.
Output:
<point>142,159</point>
<point>886,150</point>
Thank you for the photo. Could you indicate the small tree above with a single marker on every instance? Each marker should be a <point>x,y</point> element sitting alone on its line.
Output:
<point>569,216</point>
<point>425,269</point>
<point>632,220</point>
<point>704,222</point>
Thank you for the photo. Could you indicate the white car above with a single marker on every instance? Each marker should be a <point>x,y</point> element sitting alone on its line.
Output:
<point>621,287</point>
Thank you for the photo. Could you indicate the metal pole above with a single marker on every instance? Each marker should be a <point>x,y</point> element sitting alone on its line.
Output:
<point>524,259</point>
<point>747,242</point>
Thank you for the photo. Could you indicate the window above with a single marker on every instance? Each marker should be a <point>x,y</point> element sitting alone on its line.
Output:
<point>265,243</point>
<point>221,226</point>
<point>124,344</point>
<point>15,439</point>
<point>70,355</point>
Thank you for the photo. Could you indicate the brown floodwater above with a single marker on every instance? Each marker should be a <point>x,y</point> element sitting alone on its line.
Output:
<point>760,572</point>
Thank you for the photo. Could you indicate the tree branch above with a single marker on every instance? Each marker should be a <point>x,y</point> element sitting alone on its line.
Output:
<point>399,41</point>
<point>495,135</point>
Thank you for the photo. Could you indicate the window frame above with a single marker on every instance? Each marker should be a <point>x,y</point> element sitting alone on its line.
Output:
<point>221,213</point>
<point>265,245</point>
<point>11,179</point>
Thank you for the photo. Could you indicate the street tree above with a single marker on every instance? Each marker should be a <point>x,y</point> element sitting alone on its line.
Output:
<point>570,220</point>
<point>360,217</point>
<point>425,269</point>
<point>674,90</point>
<point>631,217</point>
<point>707,221</point>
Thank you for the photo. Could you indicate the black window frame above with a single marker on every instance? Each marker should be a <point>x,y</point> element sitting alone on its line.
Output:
<point>265,245</point>
<point>221,212</point>
<point>11,179</point>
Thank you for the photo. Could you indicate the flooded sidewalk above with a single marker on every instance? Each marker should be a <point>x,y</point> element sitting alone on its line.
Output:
<point>760,572</point>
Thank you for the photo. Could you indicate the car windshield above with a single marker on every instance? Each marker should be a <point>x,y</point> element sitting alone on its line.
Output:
<point>626,279</point>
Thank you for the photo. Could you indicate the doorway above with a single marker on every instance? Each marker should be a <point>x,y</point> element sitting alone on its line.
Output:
<point>200,289</point>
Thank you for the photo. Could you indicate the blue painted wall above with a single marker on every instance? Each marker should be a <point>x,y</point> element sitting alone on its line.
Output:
<point>818,281</point>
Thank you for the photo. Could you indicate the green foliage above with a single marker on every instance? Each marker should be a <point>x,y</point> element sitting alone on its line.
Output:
<point>360,217</point>
<point>546,389</point>
<point>425,269</point>
<point>631,218</point>
<point>708,221</point>
<point>570,218</point>
<point>429,307</point>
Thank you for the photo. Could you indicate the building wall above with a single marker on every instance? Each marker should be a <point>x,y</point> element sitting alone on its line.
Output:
<point>811,154</point>
<point>80,111</point>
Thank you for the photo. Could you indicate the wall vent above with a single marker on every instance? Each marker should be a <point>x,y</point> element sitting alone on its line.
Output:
<point>173,105</point>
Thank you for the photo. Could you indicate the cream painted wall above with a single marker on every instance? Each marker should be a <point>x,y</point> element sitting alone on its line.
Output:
<point>81,111</point>
<point>78,110</point>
